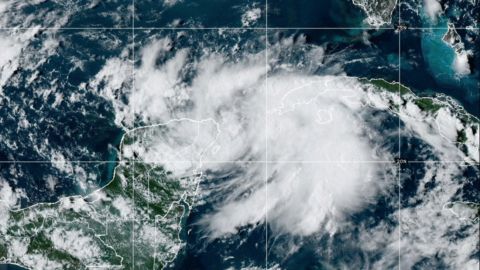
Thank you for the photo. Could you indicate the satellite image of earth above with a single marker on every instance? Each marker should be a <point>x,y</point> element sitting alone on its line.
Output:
<point>239,134</point>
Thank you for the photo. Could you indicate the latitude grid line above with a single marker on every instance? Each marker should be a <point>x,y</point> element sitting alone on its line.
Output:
<point>233,28</point>
<point>266,28</point>
<point>266,161</point>
<point>464,162</point>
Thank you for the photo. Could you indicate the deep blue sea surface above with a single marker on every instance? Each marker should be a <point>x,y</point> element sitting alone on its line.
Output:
<point>428,66</point>
<point>11,267</point>
<point>305,13</point>
<point>82,126</point>
<point>72,123</point>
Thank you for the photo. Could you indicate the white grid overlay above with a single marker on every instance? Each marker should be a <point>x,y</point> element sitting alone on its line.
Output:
<point>266,134</point>
<point>399,184</point>
<point>134,134</point>
<point>266,161</point>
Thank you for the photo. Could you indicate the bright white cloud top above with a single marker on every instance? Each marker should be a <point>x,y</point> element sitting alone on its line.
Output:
<point>311,150</point>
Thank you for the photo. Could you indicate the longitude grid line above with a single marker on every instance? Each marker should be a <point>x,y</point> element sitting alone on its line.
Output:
<point>266,100</point>
<point>213,28</point>
<point>266,134</point>
<point>399,135</point>
<point>134,133</point>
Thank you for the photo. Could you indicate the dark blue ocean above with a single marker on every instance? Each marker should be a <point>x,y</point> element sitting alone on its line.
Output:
<point>84,130</point>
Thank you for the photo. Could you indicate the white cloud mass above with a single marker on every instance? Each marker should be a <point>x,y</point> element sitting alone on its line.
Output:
<point>322,136</point>
<point>432,9</point>
<point>220,116</point>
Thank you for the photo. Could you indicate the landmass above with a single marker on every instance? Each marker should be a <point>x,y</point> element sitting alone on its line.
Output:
<point>379,12</point>
<point>448,117</point>
<point>136,220</point>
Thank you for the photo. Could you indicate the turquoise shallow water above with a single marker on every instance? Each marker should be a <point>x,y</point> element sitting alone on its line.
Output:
<point>438,55</point>
<point>427,62</point>
<point>428,67</point>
